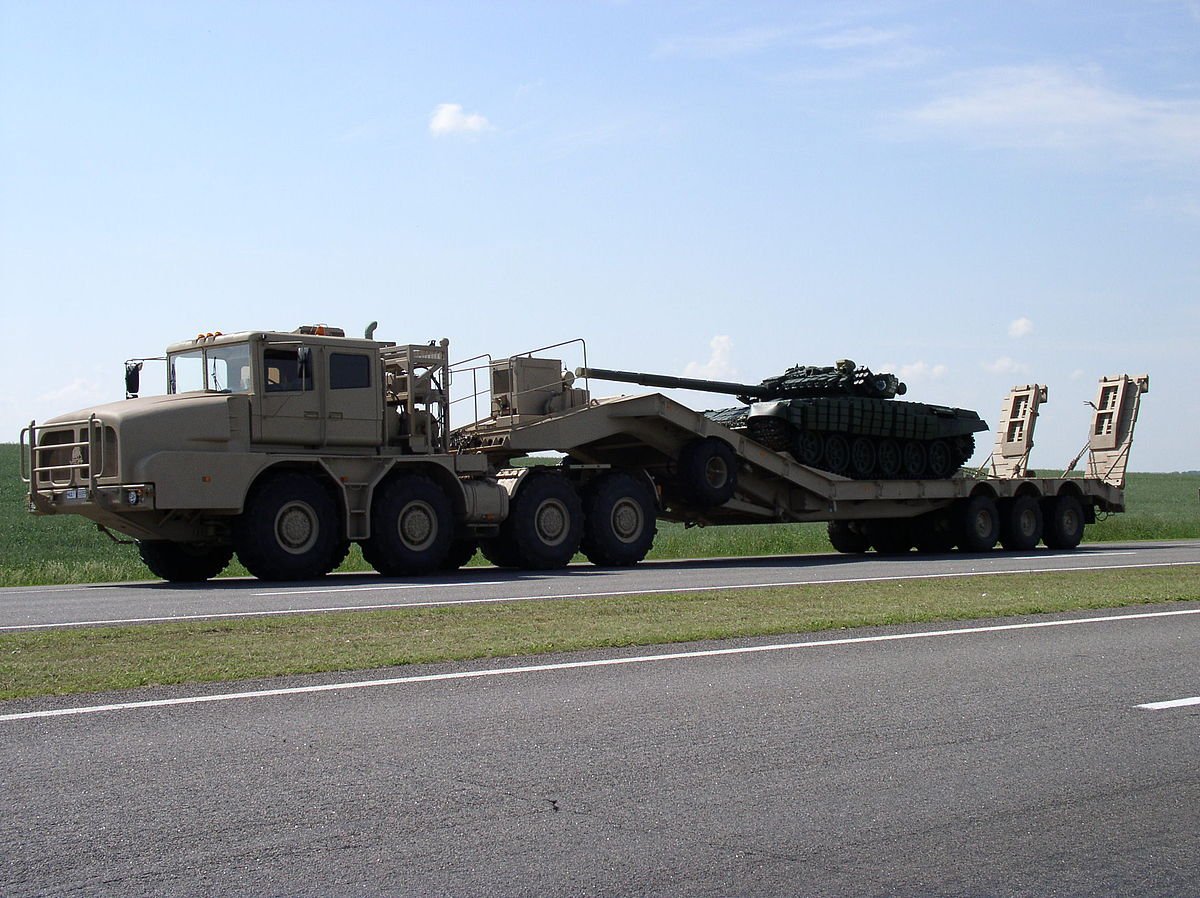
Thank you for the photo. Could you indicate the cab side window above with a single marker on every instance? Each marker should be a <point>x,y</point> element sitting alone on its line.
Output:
<point>349,372</point>
<point>283,372</point>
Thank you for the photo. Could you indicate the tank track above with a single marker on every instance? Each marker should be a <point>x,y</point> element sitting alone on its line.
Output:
<point>865,457</point>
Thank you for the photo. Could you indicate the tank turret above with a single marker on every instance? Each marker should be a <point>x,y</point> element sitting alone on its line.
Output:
<point>843,419</point>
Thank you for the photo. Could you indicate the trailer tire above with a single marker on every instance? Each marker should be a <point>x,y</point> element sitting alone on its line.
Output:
<point>707,471</point>
<point>847,537</point>
<point>411,527</point>
<point>1064,522</point>
<point>289,529</point>
<point>461,551</point>
<point>544,524</point>
<point>891,536</point>
<point>933,533</point>
<point>1020,524</point>
<point>978,524</point>
<point>184,562</point>
<point>618,520</point>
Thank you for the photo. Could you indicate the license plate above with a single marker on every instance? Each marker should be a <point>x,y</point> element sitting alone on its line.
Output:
<point>80,493</point>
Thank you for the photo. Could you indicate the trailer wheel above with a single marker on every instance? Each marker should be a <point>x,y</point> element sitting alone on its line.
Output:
<point>978,524</point>
<point>461,551</point>
<point>890,536</point>
<point>933,533</point>
<point>544,524</point>
<point>707,472</point>
<point>618,520</point>
<point>1020,524</point>
<point>184,562</point>
<point>1064,523</point>
<point>847,537</point>
<point>411,527</point>
<point>289,529</point>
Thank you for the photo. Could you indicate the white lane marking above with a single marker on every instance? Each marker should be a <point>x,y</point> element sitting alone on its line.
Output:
<point>577,665</point>
<point>648,591</point>
<point>1174,703</point>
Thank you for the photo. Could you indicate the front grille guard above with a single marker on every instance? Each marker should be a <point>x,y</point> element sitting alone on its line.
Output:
<point>34,462</point>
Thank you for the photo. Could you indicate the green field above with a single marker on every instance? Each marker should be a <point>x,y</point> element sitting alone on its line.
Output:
<point>68,549</point>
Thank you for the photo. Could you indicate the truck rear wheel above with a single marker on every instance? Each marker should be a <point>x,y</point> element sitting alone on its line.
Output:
<point>1020,524</point>
<point>544,525</point>
<point>848,537</point>
<point>618,520</point>
<point>933,532</point>
<point>289,529</point>
<point>978,524</point>
<point>1063,523</point>
<point>184,562</point>
<point>411,527</point>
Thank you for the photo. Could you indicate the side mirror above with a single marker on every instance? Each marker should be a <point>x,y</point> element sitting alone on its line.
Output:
<point>133,379</point>
<point>304,363</point>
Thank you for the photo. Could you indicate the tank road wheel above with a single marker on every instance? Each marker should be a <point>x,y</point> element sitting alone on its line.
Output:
<point>289,529</point>
<point>461,551</point>
<point>890,536</point>
<point>889,459</point>
<point>809,447</point>
<point>939,460</point>
<point>1020,524</point>
<point>411,527</point>
<point>862,458</point>
<point>913,459</point>
<point>978,524</point>
<point>544,524</point>
<point>707,472</point>
<point>1063,523</point>
<point>618,520</point>
<point>847,537</point>
<point>933,532</point>
<point>184,562</point>
<point>837,454</point>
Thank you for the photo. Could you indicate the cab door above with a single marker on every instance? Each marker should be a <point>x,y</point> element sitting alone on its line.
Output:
<point>354,408</point>
<point>289,395</point>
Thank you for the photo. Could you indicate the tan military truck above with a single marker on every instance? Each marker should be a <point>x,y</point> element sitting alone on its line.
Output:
<point>285,447</point>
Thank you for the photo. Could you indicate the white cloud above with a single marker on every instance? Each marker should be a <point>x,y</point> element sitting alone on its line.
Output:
<point>1022,327</point>
<point>915,371</point>
<point>1077,373</point>
<point>721,46</point>
<point>449,118</point>
<point>1006,365</point>
<point>1048,107</point>
<point>719,365</point>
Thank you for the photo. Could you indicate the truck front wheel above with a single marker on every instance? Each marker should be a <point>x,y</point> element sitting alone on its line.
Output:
<point>184,562</point>
<point>411,527</point>
<point>618,520</point>
<point>289,529</point>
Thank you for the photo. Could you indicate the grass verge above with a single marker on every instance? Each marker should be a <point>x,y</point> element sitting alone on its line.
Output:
<point>67,661</point>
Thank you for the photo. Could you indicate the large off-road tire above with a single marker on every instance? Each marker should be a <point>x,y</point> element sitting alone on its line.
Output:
<point>412,524</point>
<point>290,529</point>
<point>707,472</point>
<point>1020,524</point>
<point>461,551</point>
<point>544,524</point>
<point>1064,520</point>
<point>848,537</point>
<point>978,524</point>
<point>933,532</point>
<point>890,536</point>
<point>500,552</point>
<point>184,562</point>
<point>618,520</point>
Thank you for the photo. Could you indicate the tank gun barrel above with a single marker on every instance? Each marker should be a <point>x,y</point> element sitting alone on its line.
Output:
<point>674,383</point>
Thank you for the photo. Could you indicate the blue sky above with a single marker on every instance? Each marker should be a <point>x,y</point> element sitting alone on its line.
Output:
<point>974,195</point>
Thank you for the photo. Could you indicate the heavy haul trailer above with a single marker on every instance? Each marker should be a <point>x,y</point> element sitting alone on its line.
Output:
<point>705,473</point>
<point>286,447</point>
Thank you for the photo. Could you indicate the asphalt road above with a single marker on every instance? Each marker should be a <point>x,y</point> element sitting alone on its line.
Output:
<point>981,761</point>
<point>36,607</point>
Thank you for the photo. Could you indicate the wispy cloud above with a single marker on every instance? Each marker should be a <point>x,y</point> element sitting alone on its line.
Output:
<point>915,371</point>
<point>737,42</point>
<point>449,119</point>
<point>1021,327</point>
<point>1049,107</point>
<point>1006,365</point>
<point>720,361</point>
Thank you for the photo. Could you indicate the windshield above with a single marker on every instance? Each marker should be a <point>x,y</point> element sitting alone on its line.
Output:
<point>220,369</point>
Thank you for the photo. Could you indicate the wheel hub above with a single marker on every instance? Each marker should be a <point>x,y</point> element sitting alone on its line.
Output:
<point>417,525</point>
<point>296,527</point>
<point>627,520</point>
<point>552,522</point>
